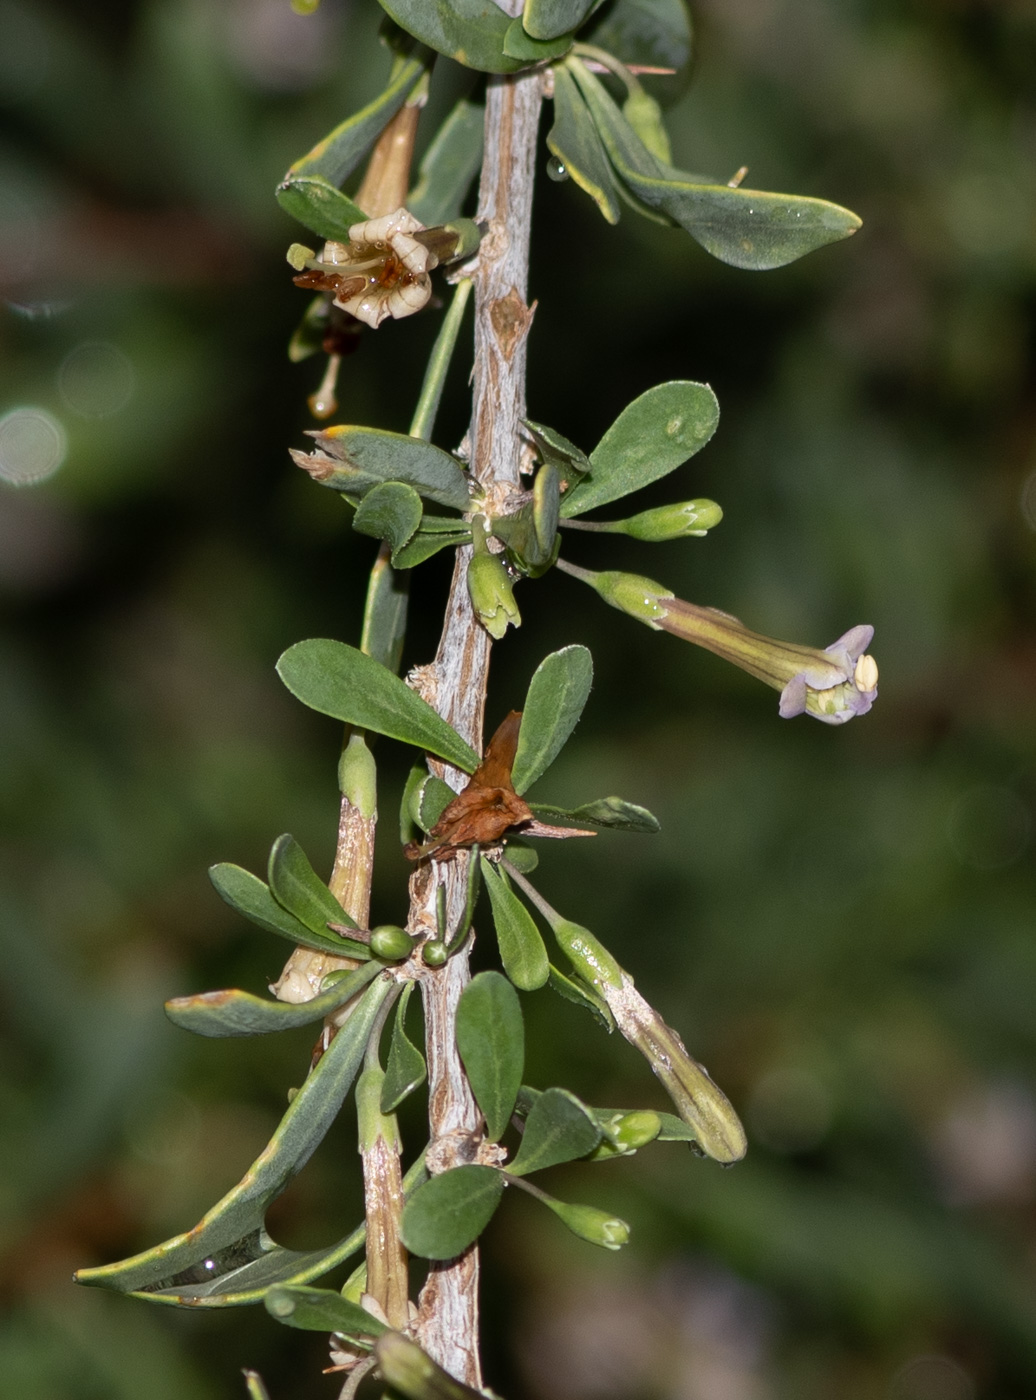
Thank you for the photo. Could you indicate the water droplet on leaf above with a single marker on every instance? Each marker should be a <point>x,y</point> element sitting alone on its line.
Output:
<point>556,169</point>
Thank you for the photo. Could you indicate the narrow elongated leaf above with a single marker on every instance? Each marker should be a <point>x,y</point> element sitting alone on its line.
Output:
<point>605,811</point>
<point>384,614</point>
<point>405,1070</point>
<point>574,140</point>
<point>319,205</point>
<point>372,454</point>
<point>581,995</point>
<point>342,682</point>
<point>469,31</point>
<point>235,1012</point>
<point>651,437</point>
<point>491,1041</point>
<point>556,696</point>
<point>546,19</point>
<point>230,1235</point>
<point>338,155</point>
<point>558,1129</point>
<point>248,1269</point>
<point>297,886</point>
<point>522,950</point>
<point>251,897</point>
<point>321,1310</point>
<point>450,164</point>
<point>450,1211</point>
<point>391,512</point>
<point>752,229</point>
<point>518,43</point>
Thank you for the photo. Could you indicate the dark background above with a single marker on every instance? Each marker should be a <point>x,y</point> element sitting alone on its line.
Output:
<point>839,921</point>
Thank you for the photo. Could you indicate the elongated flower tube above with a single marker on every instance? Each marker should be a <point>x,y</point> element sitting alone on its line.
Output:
<point>833,685</point>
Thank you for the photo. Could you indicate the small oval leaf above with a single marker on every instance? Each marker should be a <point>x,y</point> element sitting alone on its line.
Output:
<point>522,950</point>
<point>547,19</point>
<point>340,681</point>
<point>450,1211</point>
<point>390,511</point>
<point>651,437</point>
<point>557,693</point>
<point>469,31</point>
<point>251,897</point>
<point>296,886</point>
<point>491,1041</point>
<point>368,455</point>
<point>319,205</point>
<point>558,1129</point>
<point>321,1310</point>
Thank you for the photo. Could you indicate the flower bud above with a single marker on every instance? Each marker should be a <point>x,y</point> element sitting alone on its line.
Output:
<point>434,953</point>
<point>358,776</point>
<point>391,942</point>
<point>489,588</point>
<point>641,597</point>
<point>633,1130</point>
<point>590,1224</point>
<point>672,522</point>
<point>588,956</point>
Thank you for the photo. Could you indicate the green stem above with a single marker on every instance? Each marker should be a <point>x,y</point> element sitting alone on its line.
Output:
<point>439,364</point>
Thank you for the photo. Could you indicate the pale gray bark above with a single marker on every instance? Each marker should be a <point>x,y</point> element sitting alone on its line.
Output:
<point>456,682</point>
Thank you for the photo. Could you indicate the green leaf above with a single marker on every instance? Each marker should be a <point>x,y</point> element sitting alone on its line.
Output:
<point>491,1041</point>
<point>571,462</point>
<point>340,681</point>
<point>435,797</point>
<point>411,1373</point>
<point>574,140</point>
<point>408,807</point>
<point>297,886</point>
<point>518,43</point>
<point>425,544</point>
<point>651,33</point>
<point>605,811</point>
<point>234,1012</point>
<point>230,1236</point>
<point>523,857</point>
<point>391,512</point>
<point>555,699</point>
<point>369,455</point>
<point>522,950</point>
<point>469,31</point>
<point>751,229</point>
<point>581,995</point>
<point>251,897</point>
<point>651,437</point>
<point>558,1129</point>
<point>450,164</point>
<point>547,19</point>
<point>319,205</point>
<point>405,1070</point>
<point>321,1310</point>
<point>338,155</point>
<point>450,1211</point>
<point>308,336</point>
<point>384,614</point>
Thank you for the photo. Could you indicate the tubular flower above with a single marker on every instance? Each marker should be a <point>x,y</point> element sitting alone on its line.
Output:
<point>382,271</point>
<point>833,685</point>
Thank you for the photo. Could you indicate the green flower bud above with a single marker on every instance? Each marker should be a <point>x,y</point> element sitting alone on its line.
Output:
<point>391,942</point>
<point>635,1129</point>
<point>434,953</point>
<point>373,1124</point>
<point>358,776</point>
<point>590,1224</point>
<point>641,597</point>
<point>588,956</point>
<point>673,522</point>
<point>489,588</point>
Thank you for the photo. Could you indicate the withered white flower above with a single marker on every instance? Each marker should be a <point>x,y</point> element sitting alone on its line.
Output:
<point>383,271</point>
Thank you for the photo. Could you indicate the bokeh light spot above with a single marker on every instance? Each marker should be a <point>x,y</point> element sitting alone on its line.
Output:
<point>32,446</point>
<point>96,379</point>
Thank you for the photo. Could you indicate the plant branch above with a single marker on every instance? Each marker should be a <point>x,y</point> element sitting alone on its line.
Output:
<point>456,682</point>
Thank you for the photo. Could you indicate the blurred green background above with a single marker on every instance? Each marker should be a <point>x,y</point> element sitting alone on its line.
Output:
<point>840,922</point>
